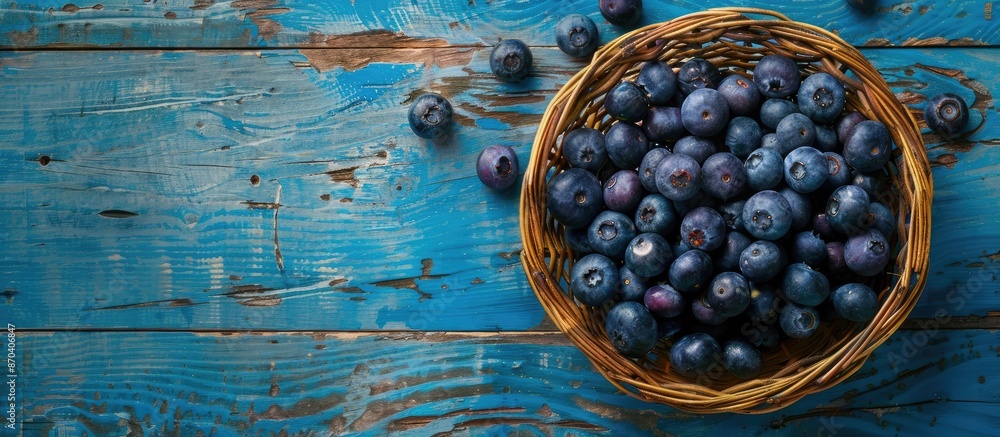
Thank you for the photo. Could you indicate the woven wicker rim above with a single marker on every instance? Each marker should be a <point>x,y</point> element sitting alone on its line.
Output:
<point>732,39</point>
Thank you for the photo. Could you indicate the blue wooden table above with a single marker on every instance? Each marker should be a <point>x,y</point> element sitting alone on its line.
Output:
<point>216,222</point>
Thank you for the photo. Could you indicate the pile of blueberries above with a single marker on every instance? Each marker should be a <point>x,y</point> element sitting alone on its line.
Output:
<point>725,211</point>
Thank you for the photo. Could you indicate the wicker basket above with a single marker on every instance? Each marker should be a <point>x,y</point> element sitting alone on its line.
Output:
<point>732,38</point>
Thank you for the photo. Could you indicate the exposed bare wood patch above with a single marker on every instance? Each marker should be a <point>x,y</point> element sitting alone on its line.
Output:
<point>645,419</point>
<point>258,12</point>
<point>351,59</point>
<point>305,407</point>
<point>426,265</point>
<point>515,421</point>
<point>410,381</point>
<point>988,10</point>
<point>378,410</point>
<point>337,282</point>
<point>24,38</point>
<point>261,301</point>
<point>202,4</point>
<point>165,303</point>
<point>344,175</point>
<point>117,213</point>
<point>413,422</point>
<point>260,205</point>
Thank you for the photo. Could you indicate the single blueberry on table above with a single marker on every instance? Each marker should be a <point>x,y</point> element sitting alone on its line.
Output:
<point>497,167</point>
<point>511,60</point>
<point>648,255</point>
<point>847,210</point>
<point>696,147</point>
<point>777,76</point>
<point>584,148</point>
<point>610,233</point>
<point>703,229</point>
<point>626,144</point>
<point>855,302</point>
<point>656,214</point>
<point>867,253</point>
<point>799,321</point>
<point>806,169</point>
<point>772,111</point>
<point>663,123</point>
<point>868,146</point>
<point>696,74</point>
<point>691,271</point>
<point>723,176</point>
<point>574,197</point>
<point>576,35</point>
<point>705,112</point>
<point>647,168</point>
<point>767,215</point>
<point>626,102</point>
<point>694,354</point>
<point>678,177</point>
<point>623,13</point>
<point>430,116</point>
<point>764,169</point>
<point>631,286</point>
<point>761,261</point>
<point>727,257</point>
<point>741,94</point>
<point>594,279</point>
<point>821,97</point>
<point>741,358</point>
<point>659,81</point>
<point>743,136</point>
<point>946,114</point>
<point>631,329</point>
<point>793,131</point>
<point>664,301</point>
<point>623,191</point>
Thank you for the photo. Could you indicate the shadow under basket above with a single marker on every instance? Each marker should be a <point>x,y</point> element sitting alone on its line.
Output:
<point>733,39</point>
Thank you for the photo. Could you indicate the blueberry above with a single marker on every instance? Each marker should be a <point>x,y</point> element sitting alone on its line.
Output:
<point>497,167</point>
<point>704,112</point>
<point>761,261</point>
<point>656,214</point>
<point>696,74</point>
<point>872,182</point>
<point>647,168</point>
<point>696,147</point>
<point>648,255</point>
<point>574,197</point>
<point>805,169</point>
<point>868,146</point>
<point>732,214</point>
<point>610,233</point>
<point>846,123</point>
<point>511,60</point>
<point>703,229</point>
<point>882,219</point>
<point>631,329</point>
<point>584,148</point>
<point>728,294</point>
<point>594,279</point>
<point>767,215</point>
<point>623,191</point>
<point>659,81</point>
<point>741,94</point>
<point>704,313</point>
<point>723,176</point>
<point>430,117</point>
<point>764,169</point>
<point>743,135</point>
<point>835,262</point>
<point>630,285</point>
<point>855,302</point>
<point>867,253</point>
<point>777,76</point>
<point>664,301</point>
<point>691,272</point>
<point>770,141</point>
<point>946,114</point>
<point>626,144</point>
<point>622,13</point>
<point>669,327</point>
<point>801,206</point>
<point>826,139</point>
<point>663,123</point>
<point>694,354</point>
<point>727,258</point>
<point>741,358</point>
<point>764,304</point>
<point>809,248</point>
<point>847,210</point>
<point>626,102</point>
<point>772,111</point>
<point>821,97</point>
<point>793,131</point>
<point>799,321</point>
<point>821,225</point>
<point>838,174</point>
<point>576,35</point>
<point>678,177</point>
<point>805,286</point>
<point>576,240</point>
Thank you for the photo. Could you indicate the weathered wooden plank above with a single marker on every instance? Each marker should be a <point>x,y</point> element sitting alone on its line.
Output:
<point>273,23</point>
<point>151,189</point>
<point>122,383</point>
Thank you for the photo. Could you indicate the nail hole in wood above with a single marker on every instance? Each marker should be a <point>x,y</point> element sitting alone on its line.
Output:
<point>44,160</point>
<point>255,180</point>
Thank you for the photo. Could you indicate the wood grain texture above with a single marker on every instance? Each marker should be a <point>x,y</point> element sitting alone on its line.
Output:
<point>275,23</point>
<point>160,384</point>
<point>280,190</point>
